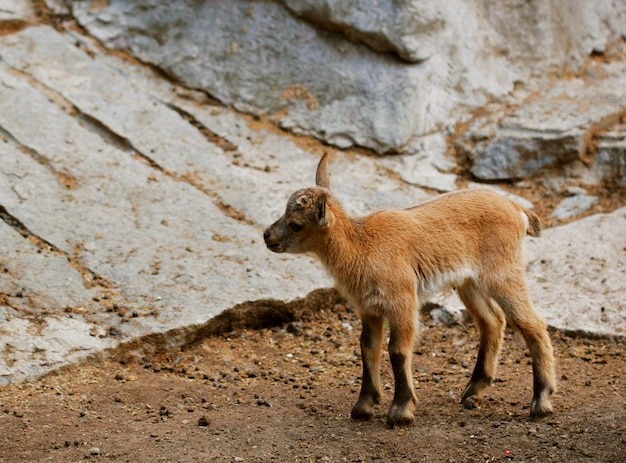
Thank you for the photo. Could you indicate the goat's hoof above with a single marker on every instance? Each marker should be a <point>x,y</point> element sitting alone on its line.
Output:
<point>540,409</point>
<point>361,415</point>
<point>362,411</point>
<point>470,402</point>
<point>400,418</point>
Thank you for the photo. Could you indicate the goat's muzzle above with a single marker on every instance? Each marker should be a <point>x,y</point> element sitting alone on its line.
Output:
<point>271,242</point>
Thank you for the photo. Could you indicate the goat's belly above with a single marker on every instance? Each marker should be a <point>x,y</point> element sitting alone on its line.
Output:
<point>429,287</point>
<point>374,300</point>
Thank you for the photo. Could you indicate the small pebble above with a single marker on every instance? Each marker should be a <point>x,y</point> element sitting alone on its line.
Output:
<point>203,421</point>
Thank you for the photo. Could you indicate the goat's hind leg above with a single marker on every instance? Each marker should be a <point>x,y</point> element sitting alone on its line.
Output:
<point>514,300</point>
<point>491,322</point>
<point>371,347</point>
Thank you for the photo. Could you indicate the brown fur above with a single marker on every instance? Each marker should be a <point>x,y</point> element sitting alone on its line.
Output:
<point>389,262</point>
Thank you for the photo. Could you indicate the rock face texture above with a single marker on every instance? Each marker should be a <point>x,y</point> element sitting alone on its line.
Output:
<point>374,74</point>
<point>573,122</point>
<point>131,206</point>
<point>609,161</point>
<point>119,218</point>
<point>11,10</point>
<point>409,29</point>
<point>577,274</point>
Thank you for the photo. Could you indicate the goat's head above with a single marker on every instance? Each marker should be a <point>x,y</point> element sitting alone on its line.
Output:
<point>307,217</point>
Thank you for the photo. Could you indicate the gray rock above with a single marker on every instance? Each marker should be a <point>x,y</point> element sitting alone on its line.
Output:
<point>445,317</point>
<point>551,32</point>
<point>574,191</point>
<point>32,280</point>
<point>350,88</point>
<point>277,167</point>
<point>266,61</point>
<point>157,243</point>
<point>572,128</point>
<point>34,347</point>
<point>15,10</point>
<point>409,29</point>
<point>121,219</point>
<point>609,160</point>
<point>541,135</point>
<point>130,205</point>
<point>573,206</point>
<point>577,274</point>
<point>57,6</point>
<point>429,167</point>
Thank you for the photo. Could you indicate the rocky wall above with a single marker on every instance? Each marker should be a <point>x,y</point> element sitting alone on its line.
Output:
<point>374,74</point>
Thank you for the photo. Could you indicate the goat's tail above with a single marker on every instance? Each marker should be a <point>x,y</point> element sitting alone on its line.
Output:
<point>534,223</point>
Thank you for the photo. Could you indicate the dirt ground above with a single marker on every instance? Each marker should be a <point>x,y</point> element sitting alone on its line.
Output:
<point>284,394</point>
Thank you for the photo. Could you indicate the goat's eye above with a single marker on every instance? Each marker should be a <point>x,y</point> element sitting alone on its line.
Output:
<point>295,226</point>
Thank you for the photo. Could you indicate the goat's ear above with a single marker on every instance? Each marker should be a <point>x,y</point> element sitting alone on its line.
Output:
<point>323,214</point>
<point>322,179</point>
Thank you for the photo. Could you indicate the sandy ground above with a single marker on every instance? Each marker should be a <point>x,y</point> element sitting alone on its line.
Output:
<point>284,394</point>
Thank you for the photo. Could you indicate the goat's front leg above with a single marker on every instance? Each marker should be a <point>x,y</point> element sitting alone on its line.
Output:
<point>491,323</point>
<point>371,346</point>
<point>400,351</point>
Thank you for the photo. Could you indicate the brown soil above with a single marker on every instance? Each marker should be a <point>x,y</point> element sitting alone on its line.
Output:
<point>284,394</point>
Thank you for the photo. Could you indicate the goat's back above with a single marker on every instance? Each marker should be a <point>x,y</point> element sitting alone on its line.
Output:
<point>469,229</point>
<point>476,210</point>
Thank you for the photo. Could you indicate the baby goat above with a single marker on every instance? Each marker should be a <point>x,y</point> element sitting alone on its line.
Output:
<point>389,262</point>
